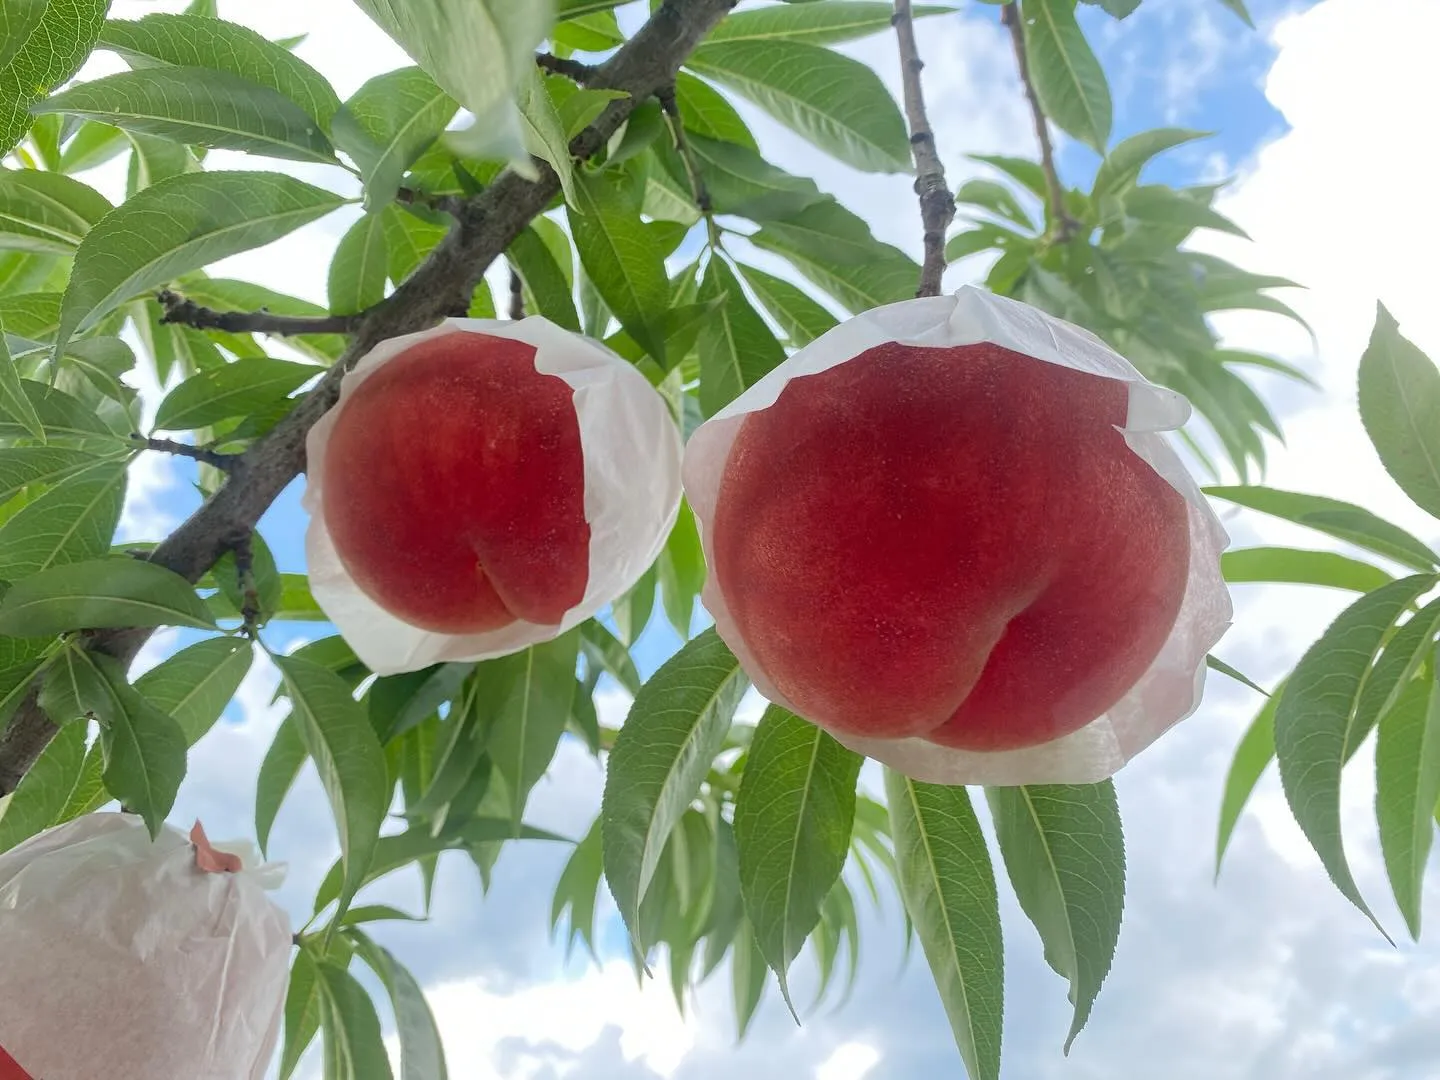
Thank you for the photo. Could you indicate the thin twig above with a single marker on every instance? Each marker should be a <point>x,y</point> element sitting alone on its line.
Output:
<point>188,313</point>
<point>245,580</point>
<point>517,295</point>
<point>1062,225</point>
<point>488,224</point>
<point>581,73</point>
<point>445,204</point>
<point>698,191</point>
<point>937,205</point>
<point>223,462</point>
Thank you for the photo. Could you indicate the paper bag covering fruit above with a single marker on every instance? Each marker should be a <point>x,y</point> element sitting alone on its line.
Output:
<point>950,532</point>
<point>123,958</point>
<point>482,487</point>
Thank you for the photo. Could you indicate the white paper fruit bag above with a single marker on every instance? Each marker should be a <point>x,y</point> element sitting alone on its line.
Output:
<point>123,958</point>
<point>951,532</point>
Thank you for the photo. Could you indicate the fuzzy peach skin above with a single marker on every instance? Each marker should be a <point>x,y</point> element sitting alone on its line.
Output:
<point>950,533</point>
<point>482,487</point>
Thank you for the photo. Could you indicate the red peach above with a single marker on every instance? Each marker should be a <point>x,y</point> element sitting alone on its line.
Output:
<point>455,487</point>
<point>954,543</point>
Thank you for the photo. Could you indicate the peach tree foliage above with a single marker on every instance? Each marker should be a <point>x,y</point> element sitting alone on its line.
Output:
<point>600,154</point>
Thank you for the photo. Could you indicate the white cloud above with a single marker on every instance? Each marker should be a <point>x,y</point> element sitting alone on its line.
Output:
<point>850,1061</point>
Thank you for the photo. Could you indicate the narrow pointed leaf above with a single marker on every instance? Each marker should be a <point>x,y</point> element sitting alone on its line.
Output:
<point>241,388</point>
<point>278,772</point>
<point>338,737</point>
<point>1407,787</point>
<point>819,22</point>
<point>13,401</point>
<point>946,880</point>
<point>199,107</point>
<point>354,1046</point>
<point>736,347</point>
<point>73,521</point>
<point>1400,406</point>
<point>46,213</point>
<point>1279,564</point>
<point>1343,520</point>
<point>835,102</point>
<point>1068,78</point>
<point>177,225</point>
<point>101,593</point>
<point>44,791</point>
<point>198,41</point>
<point>1315,720</point>
<point>1064,850</point>
<point>387,124</point>
<point>40,51</point>
<point>196,684</point>
<point>793,818</point>
<point>1252,757</point>
<point>675,728</point>
<point>801,317</point>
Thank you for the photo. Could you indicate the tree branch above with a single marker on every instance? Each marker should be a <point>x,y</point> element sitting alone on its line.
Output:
<point>1062,225</point>
<point>584,74</point>
<point>517,295</point>
<point>485,226</point>
<point>223,462</point>
<point>188,313</point>
<point>937,205</point>
<point>698,191</point>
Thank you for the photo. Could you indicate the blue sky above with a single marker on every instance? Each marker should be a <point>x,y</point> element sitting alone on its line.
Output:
<point>1267,974</point>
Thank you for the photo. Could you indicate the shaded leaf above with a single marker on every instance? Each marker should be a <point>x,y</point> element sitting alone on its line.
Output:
<point>101,593</point>
<point>793,818</point>
<point>674,730</point>
<point>387,124</point>
<point>196,684</point>
<point>1067,77</point>
<point>1064,850</point>
<point>1407,787</point>
<point>1400,406</point>
<point>736,347</point>
<point>46,212</point>
<point>1279,564</point>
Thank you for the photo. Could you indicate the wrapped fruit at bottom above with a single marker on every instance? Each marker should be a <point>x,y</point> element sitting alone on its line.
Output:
<point>950,532</point>
<point>482,487</point>
<point>129,958</point>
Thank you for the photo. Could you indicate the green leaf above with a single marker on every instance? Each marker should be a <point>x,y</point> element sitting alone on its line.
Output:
<point>200,107</point>
<point>620,255</point>
<point>338,736</point>
<point>660,758</point>
<point>1314,722</point>
<point>1119,9</point>
<point>401,849</point>
<point>302,1012</point>
<point>543,132</point>
<point>475,50</point>
<point>528,703</point>
<point>422,1053</point>
<point>154,159</point>
<point>705,111</point>
<point>1399,661</point>
<point>354,1047</point>
<point>549,289</point>
<point>948,885</point>
<point>387,124</point>
<point>578,890</point>
<point>13,401</point>
<point>1120,171</point>
<point>792,828</point>
<point>144,747</point>
<point>1252,756</point>
<point>802,318</point>
<point>834,249</point>
<point>359,267</point>
<point>1068,79</point>
<point>740,181</point>
<point>736,347</point>
<point>1027,173</point>
<point>1238,7</point>
<point>101,593</point>
<point>606,649</point>
<point>45,212</point>
<point>278,772</point>
<point>198,41</point>
<point>63,417</point>
<point>995,197</point>
<point>1156,204</point>
<point>1065,853</point>
<point>1214,663</point>
<point>44,790</point>
<point>837,103</point>
<point>178,225</point>
<point>1400,407</point>
<point>1407,786</point>
<point>39,50</point>
<point>681,571</point>
<point>1280,564</point>
<point>241,388</point>
<point>195,684</point>
<point>819,22</point>
<point>1343,520</point>
<point>747,978</point>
